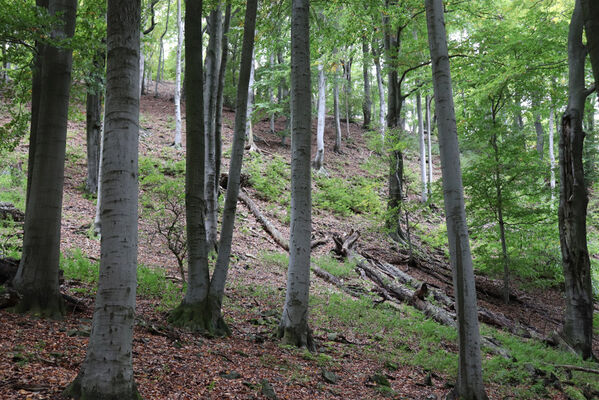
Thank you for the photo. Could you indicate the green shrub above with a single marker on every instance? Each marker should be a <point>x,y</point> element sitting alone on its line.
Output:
<point>334,267</point>
<point>270,179</point>
<point>356,195</point>
<point>78,266</point>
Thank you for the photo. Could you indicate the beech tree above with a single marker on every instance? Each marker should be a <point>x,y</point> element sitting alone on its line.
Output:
<point>319,159</point>
<point>107,371</point>
<point>177,142</point>
<point>293,328</point>
<point>578,317</point>
<point>470,381</point>
<point>37,276</point>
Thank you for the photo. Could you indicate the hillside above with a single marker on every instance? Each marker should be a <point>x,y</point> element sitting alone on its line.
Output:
<point>368,347</point>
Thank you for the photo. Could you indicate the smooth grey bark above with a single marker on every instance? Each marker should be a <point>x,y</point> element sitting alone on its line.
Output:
<point>336,112</point>
<point>271,96</point>
<point>107,371</point>
<point>367,102</point>
<point>429,131</point>
<point>160,67</point>
<point>98,216</point>
<point>347,90</point>
<point>218,119</point>
<point>249,132</point>
<point>293,328</point>
<point>219,277</point>
<point>36,87</point>
<point>590,10</point>
<point>551,152</point>
<point>424,195</point>
<point>578,318</point>
<point>379,81</point>
<point>470,381</point>
<point>322,87</point>
<point>212,64</point>
<point>191,312</point>
<point>178,77</point>
<point>37,276</point>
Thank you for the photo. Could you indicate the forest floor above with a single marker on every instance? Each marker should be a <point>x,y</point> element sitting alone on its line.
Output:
<point>358,341</point>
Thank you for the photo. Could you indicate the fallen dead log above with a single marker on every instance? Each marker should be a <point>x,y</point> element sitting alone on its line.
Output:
<point>576,368</point>
<point>268,226</point>
<point>332,279</point>
<point>8,269</point>
<point>9,211</point>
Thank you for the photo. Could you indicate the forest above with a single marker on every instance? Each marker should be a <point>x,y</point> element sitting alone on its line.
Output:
<point>295,199</point>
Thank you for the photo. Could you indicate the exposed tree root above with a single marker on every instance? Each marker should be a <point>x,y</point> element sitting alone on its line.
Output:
<point>199,318</point>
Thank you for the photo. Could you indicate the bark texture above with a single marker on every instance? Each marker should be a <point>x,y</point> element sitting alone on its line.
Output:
<point>107,371</point>
<point>470,381</point>
<point>178,77</point>
<point>590,12</point>
<point>578,318</point>
<point>319,158</point>
<point>37,276</point>
<point>93,111</point>
<point>293,328</point>
<point>367,102</point>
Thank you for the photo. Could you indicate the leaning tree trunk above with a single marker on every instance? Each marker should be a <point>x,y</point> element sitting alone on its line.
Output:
<point>37,276</point>
<point>219,278</point>
<point>191,312</point>
<point>294,328</point>
<point>107,371</point>
<point>578,318</point>
<point>322,87</point>
<point>591,25</point>
<point>424,195</point>
<point>367,103</point>
<point>178,78</point>
<point>249,132</point>
<point>470,381</point>
<point>210,102</point>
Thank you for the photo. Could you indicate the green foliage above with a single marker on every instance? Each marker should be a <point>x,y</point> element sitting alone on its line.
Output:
<point>270,179</point>
<point>280,260</point>
<point>335,267</point>
<point>357,195</point>
<point>77,266</point>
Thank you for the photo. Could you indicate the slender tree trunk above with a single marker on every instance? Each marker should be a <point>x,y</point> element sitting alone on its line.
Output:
<point>219,278</point>
<point>218,120</point>
<point>93,132</point>
<point>383,107</point>
<point>578,318</point>
<point>178,78</point>
<point>322,87</point>
<point>470,381</point>
<point>191,313</point>
<point>37,275</point>
<point>271,95</point>
<point>293,328</point>
<point>337,148</point>
<point>429,131</point>
<point>249,132</point>
<point>551,153</point>
<point>347,90</point>
<point>423,179</point>
<point>539,130</point>
<point>160,66</point>
<point>107,371</point>
<point>98,217</point>
<point>367,103</point>
<point>212,70</point>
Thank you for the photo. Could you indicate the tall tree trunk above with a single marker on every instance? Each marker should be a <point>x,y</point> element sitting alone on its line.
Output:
<point>539,130</point>
<point>470,381</point>
<point>347,90</point>
<point>178,78</point>
<point>367,103</point>
<point>160,66</point>
<point>551,153</point>
<point>219,278</point>
<point>336,112</point>
<point>429,131</point>
<point>271,96</point>
<point>37,276</point>
<point>107,371</point>
<point>249,132</point>
<point>379,81</point>
<point>293,328</point>
<point>424,195</point>
<point>322,100</point>
<point>578,318</point>
<point>394,107</point>
<point>191,313</point>
<point>36,88</point>
<point>98,217</point>
<point>218,120</point>
<point>212,70</point>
